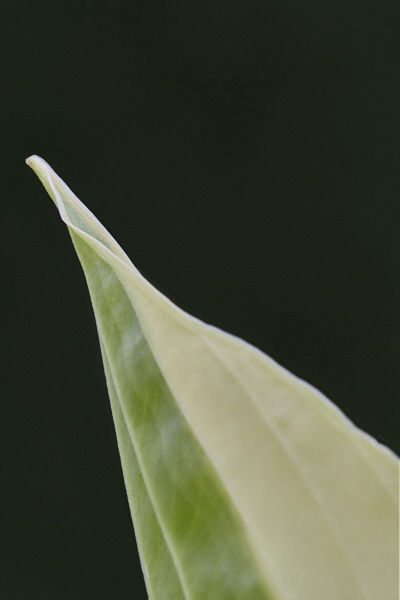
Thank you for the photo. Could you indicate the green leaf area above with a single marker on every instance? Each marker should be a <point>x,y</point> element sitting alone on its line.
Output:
<point>244,482</point>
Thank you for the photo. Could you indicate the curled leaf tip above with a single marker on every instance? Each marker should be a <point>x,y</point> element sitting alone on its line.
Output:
<point>30,161</point>
<point>37,164</point>
<point>44,172</point>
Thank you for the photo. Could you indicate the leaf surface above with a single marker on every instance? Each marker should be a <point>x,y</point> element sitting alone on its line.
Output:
<point>244,482</point>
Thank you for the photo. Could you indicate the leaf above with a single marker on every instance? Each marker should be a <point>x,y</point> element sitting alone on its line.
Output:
<point>244,482</point>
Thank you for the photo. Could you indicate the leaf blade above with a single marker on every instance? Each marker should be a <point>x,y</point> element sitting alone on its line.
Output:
<point>296,451</point>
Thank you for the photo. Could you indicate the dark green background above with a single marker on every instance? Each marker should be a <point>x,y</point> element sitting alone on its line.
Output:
<point>246,156</point>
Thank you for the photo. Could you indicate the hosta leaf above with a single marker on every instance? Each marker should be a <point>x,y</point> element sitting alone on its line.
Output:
<point>244,482</point>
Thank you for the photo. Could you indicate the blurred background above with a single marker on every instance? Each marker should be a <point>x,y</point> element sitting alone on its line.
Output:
<point>246,156</point>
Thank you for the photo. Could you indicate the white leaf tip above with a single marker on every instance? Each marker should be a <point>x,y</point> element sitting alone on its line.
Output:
<point>31,159</point>
<point>34,161</point>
